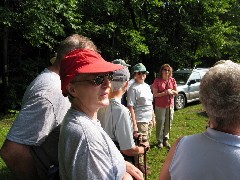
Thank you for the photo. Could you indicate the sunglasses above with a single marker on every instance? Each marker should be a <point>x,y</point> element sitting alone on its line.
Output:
<point>98,80</point>
<point>166,70</point>
<point>141,72</point>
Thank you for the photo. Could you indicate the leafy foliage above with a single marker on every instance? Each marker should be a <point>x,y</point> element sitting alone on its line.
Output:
<point>183,33</point>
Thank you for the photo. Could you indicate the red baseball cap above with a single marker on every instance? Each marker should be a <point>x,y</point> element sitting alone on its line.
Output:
<point>83,61</point>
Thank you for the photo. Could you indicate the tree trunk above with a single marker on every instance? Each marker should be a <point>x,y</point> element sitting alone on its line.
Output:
<point>5,72</point>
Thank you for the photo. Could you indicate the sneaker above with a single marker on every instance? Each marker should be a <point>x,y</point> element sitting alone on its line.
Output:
<point>160,145</point>
<point>167,144</point>
<point>142,169</point>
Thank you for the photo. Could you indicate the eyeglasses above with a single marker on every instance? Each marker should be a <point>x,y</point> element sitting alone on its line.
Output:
<point>141,72</point>
<point>166,70</point>
<point>98,80</point>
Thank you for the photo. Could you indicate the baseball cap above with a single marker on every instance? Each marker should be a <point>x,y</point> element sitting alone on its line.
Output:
<point>121,75</point>
<point>83,61</point>
<point>140,68</point>
<point>120,61</point>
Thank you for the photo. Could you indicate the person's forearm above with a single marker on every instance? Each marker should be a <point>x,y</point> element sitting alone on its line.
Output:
<point>153,119</point>
<point>175,92</point>
<point>160,94</point>
<point>134,121</point>
<point>133,171</point>
<point>19,160</point>
<point>136,150</point>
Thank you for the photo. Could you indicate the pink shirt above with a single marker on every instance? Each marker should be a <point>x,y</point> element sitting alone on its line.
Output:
<point>162,85</point>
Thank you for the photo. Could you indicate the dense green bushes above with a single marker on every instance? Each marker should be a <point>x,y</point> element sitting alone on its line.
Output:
<point>181,33</point>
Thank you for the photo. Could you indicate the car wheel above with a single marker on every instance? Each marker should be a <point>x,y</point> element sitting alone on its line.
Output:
<point>180,101</point>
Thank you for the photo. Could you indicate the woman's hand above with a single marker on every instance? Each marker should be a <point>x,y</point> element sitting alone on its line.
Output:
<point>127,176</point>
<point>169,91</point>
<point>133,171</point>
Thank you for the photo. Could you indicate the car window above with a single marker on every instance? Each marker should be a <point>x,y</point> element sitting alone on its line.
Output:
<point>202,73</point>
<point>181,78</point>
<point>195,76</point>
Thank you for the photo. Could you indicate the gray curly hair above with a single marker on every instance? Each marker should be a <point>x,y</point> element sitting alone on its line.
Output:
<point>73,42</point>
<point>220,94</point>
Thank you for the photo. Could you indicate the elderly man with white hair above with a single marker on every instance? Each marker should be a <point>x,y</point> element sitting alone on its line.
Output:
<point>117,121</point>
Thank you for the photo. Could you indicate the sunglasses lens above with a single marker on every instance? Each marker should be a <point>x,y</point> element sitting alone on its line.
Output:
<point>110,76</point>
<point>99,80</point>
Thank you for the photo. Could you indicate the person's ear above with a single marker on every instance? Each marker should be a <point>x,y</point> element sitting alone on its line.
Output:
<point>71,90</point>
<point>125,86</point>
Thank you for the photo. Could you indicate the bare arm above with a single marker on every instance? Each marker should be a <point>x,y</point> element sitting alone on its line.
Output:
<point>135,128</point>
<point>165,174</point>
<point>133,171</point>
<point>159,94</point>
<point>127,176</point>
<point>153,119</point>
<point>134,151</point>
<point>19,160</point>
<point>174,91</point>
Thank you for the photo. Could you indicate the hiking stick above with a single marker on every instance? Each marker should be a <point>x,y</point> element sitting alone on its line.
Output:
<point>145,164</point>
<point>139,143</point>
<point>169,109</point>
<point>169,117</point>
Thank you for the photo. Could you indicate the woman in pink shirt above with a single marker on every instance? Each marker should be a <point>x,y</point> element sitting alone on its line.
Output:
<point>164,89</point>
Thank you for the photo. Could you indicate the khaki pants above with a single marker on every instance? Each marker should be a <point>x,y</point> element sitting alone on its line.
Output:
<point>145,129</point>
<point>162,122</point>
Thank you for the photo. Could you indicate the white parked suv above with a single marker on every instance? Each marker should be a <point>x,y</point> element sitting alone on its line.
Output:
<point>188,81</point>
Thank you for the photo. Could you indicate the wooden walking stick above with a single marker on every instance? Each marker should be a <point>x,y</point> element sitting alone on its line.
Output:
<point>139,143</point>
<point>169,110</point>
<point>169,117</point>
<point>145,163</point>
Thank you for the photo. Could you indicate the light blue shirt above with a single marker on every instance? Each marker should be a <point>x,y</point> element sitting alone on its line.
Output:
<point>207,156</point>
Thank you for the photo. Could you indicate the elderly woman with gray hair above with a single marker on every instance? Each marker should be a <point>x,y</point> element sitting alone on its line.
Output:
<point>214,154</point>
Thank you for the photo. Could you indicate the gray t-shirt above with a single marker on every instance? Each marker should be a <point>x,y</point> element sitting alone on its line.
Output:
<point>141,98</point>
<point>43,109</point>
<point>118,124</point>
<point>86,151</point>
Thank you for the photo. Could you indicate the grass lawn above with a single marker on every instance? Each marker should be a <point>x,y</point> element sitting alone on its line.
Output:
<point>5,124</point>
<point>189,120</point>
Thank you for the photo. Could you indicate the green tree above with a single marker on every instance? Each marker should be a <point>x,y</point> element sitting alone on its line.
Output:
<point>183,33</point>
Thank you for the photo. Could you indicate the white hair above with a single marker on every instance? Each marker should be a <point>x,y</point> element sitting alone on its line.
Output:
<point>117,85</point>
<point>220,94</point>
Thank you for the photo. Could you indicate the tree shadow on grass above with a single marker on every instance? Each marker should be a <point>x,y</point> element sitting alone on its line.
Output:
<point>203,113</point>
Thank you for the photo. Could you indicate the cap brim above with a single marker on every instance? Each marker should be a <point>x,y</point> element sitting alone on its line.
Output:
<point>140,71</point>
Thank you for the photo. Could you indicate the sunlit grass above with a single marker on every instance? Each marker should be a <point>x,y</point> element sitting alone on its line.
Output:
<point>187,121</point>
<point>5,124</point>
